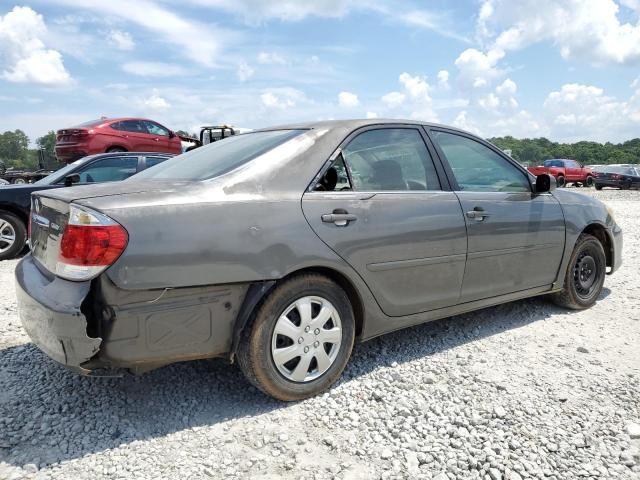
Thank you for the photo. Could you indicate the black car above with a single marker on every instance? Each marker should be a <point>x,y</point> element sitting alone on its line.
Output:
<point>623,177</point>
<point>15,200</point>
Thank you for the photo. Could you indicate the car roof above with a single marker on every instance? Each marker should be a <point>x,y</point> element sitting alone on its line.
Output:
<point>357,123</point>
<point>127,154</point>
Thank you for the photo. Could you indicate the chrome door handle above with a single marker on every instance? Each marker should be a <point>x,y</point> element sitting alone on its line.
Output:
<point>340,217</point>
<point>477,214</point>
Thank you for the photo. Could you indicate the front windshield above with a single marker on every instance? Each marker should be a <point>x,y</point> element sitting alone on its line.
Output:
<point>60,174</point>
<point>219,157</point>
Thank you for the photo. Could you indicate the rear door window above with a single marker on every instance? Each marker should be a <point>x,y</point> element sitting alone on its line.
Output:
<point>111,169</point>
<point>390,159</point>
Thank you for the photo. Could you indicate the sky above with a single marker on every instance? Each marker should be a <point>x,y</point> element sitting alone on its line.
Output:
<point>568,70</point>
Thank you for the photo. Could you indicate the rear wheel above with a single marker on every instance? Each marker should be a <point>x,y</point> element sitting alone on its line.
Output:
<point>13,235</point>
<point>589,181</point>
<point>598,187</point>
<point>560,181</point>
<point>301,338</point>
<point>585,274</point>
<point>116,149</point>
<point>626,186</point>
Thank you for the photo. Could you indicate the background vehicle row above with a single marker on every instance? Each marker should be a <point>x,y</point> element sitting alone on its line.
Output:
<point>15,201</point>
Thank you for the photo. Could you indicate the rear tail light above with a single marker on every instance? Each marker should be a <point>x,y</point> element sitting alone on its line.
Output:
<point>91,243</point>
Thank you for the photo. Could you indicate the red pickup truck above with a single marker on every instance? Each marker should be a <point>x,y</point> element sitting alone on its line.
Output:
<point>565,172</point>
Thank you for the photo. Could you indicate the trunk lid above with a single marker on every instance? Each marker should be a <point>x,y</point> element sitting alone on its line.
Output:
<point>50,212</point>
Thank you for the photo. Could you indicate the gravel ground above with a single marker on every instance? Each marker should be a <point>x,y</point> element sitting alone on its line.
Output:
<point>523,390</point>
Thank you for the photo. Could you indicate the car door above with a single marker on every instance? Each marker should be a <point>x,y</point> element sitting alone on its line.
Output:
<point>108,169</point>
<point>380,205</point>
<point>569,170</point>
<point>160,138</point>
<point>137,136</point>
<point>515,237</point>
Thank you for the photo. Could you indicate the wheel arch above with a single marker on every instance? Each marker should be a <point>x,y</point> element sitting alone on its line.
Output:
<point>603,235</point>
<point>24,217</point>
<point>116,145</point>
<point>258,291</point>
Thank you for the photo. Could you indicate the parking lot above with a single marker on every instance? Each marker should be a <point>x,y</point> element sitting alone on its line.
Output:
<point>523,390</point>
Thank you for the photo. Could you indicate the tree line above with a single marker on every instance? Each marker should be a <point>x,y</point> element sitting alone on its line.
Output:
<point>15,151</point>
<point>535,150</point>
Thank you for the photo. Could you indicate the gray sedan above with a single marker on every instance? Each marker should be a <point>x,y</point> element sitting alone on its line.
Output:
<point>282,247</point>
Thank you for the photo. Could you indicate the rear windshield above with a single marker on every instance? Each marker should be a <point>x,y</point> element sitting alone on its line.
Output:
<point>90,123</point>
<point>219,157</point>
<point>553,163</point>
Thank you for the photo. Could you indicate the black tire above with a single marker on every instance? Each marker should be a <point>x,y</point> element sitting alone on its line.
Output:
<point>560,181</point>
<point>255,356</point>
<point>585,274</point>
<point>626,186</point>
<point>116,149</point>
<point>19,181</point>
<point>589,182</point>
<point>20,230</point>
<point>598,187</point>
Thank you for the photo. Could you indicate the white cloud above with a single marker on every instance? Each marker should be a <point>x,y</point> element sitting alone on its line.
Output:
<point>23,52</point>
<point>198,41</point>
<point>244,72</point>
<point>463,122</point>
<point>282,98</point>
<point>348,100</point>
<point>393,99</point>
<point>121,40</point>
<point>415,86</point>
<point>591,30</point>
<point>155,103</point>
<point>413,101</point>
<point>478,69</point>
<point>443,79</point>
<point>372,115</point>
<point>153,69</point>
<point>502,100</point>
<point>271,58</point>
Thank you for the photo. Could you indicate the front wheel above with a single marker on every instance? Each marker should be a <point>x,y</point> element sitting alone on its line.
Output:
<point>598,187</point>
<point>560,181</point>
<point>301,338</point>
<point>589,182</point>
<point>585,274</point>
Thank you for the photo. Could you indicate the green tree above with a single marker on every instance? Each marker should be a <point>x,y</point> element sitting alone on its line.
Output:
<point>47,143</point>
<point>14,146</point>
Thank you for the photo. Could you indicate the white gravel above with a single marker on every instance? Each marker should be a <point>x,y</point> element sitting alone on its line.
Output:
<point>524,390</point>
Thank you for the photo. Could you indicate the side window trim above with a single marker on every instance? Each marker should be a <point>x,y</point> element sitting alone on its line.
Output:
<point>445,163</point>
<point>440,174</point>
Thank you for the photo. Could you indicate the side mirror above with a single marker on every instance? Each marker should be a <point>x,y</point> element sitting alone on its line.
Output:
<point>171,134</point>
<point>545,183</point>
<point>71,179</point>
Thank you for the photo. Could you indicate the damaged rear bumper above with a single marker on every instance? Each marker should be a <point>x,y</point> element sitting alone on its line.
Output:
<point>49,309</point>
<point>90,325</point>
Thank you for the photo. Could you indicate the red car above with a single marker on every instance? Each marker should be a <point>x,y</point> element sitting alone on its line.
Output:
<point>115,135</point>
<point>565,172</point>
